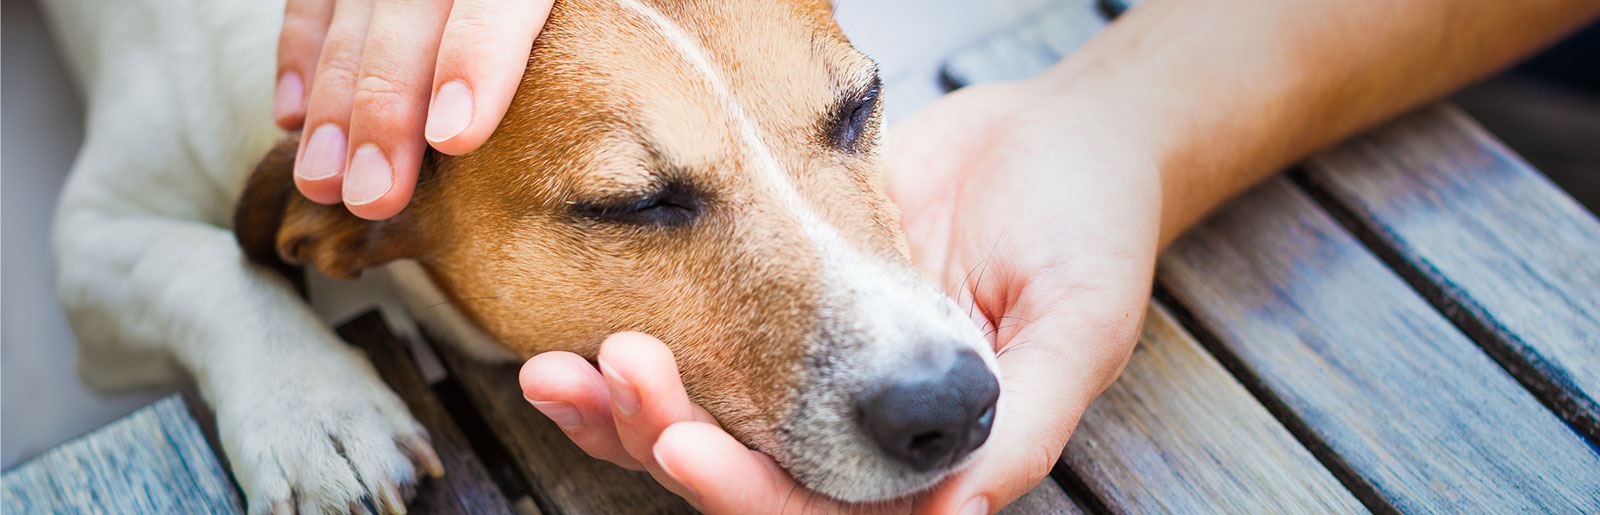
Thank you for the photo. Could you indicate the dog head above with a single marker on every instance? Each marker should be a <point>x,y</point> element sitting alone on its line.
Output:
<point>708,173</point>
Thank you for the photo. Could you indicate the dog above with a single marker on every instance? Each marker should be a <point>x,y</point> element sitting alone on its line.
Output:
<point>709,172</point>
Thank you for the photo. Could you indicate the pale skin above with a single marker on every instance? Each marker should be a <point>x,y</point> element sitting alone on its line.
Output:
<point>1060,190</point>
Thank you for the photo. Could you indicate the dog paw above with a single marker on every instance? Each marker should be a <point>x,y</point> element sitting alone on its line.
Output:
<point>324,439</point>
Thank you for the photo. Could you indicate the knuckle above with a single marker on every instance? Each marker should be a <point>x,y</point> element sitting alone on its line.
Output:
<point>378,86</point>
<point>335,72</point>
<point>475,20</point>
<point>470,31</point>
<point>1037,464</point>
<point>376,93</point>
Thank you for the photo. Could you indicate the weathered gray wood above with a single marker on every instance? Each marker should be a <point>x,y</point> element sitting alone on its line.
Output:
<point>565,479</point>
<point>1359,363</point>
<point>1027,49</point>
<point>1512,257</point>
<point>1177,433</point>
<point>1046,499</point>
<point>466,486</point>
<point>154,460</point>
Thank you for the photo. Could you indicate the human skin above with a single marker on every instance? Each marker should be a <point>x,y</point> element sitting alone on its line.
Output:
<point>374,82</point>
<point>1060,190</point>
<point>1054,193</point>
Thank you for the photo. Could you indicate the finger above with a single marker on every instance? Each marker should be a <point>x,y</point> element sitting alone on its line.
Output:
<point>704,459</point>
<point>390,106</point>
<point>567,389</point>
<point>1036,415</point>
<point>305,25</point>
<point>324,150</point>
<point>646,397</point>
<point>482,57</point>
<point>647,394</point>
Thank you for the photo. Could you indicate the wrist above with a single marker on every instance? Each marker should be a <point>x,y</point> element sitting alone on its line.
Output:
<point>1155,141</point>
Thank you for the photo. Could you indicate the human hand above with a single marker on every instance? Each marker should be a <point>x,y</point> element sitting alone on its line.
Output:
<point>1042,213</point>
<point>383,76</point>
<point>1045,226</point>
<point>633,411</point>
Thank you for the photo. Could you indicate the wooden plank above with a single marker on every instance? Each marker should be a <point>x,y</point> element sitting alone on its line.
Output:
<point>466,486</point>
<point>563,478</point>
<point>1390,394</point>
<point>1046,499</point>
<point>154,460</point>
<point>1507,254</point>
<point>1176,433</point>
<point>1027,49</point>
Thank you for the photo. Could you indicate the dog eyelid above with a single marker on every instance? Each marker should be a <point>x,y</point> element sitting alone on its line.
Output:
<point>672,203</point>
<point>852,114</point>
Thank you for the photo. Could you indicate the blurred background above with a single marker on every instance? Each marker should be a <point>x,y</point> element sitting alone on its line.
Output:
<point>1547,109</point>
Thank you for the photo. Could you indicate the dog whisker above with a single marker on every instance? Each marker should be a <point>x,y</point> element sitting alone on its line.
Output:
<point>453,301</point>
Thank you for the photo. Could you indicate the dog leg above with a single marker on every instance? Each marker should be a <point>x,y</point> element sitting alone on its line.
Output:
<point>303,416</point>
<point>179,111</point>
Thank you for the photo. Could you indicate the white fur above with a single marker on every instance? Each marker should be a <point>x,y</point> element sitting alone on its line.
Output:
<point>178,96</point>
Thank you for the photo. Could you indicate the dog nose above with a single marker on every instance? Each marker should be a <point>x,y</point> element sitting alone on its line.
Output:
<point>931,413</point>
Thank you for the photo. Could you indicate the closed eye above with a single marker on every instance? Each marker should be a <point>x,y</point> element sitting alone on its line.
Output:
<point>854,118</point>
<point>673,204</point>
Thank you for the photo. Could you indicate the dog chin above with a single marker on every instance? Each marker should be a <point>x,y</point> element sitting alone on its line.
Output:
<point>870,490</point>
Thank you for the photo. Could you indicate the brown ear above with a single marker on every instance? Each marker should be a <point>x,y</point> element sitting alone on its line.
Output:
<point>279,228</point>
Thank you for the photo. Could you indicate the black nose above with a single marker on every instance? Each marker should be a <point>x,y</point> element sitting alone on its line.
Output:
<point>932,412</point>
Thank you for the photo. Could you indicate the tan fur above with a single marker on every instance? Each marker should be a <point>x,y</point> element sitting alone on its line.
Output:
<point>605,106</point>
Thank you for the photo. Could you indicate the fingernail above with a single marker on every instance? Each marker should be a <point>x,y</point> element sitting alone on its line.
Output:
<point>369,177</point>
<point>623,394</point>
<point>977,506</point>
<point>291,93</point>
<point>563,414</point>
<point>655,452</point>
<point>324,154</point>
<point>450,113</point>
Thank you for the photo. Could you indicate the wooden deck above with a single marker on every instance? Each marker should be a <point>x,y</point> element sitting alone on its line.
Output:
<point>1408,322</point>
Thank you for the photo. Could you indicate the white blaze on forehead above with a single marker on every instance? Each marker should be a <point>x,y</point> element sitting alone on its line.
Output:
<point>888,301</point>
<point>890,311</point>
<point>750,134</point>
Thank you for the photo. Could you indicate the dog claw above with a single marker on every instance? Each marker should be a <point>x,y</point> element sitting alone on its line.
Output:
<point>283,508</point>
<point>389,500</point>
<point>424,454</point>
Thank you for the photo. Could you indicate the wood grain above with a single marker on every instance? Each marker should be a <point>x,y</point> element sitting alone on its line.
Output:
<point>1046,499</point>
<point>155,460</point>
<point>1176,433</point>
<point>1508,255</point>
<point>466,486</point>
<point>563,478</point>
<point>1026,49</point>
<point>1388,391</point>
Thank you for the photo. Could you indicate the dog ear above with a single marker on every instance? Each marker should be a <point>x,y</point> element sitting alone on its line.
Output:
<point>281,229</point>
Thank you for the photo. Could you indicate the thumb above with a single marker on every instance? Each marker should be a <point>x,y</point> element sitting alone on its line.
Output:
<point>1043,393</point>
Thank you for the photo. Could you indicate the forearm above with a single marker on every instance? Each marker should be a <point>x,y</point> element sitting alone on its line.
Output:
<point>1228,92</point>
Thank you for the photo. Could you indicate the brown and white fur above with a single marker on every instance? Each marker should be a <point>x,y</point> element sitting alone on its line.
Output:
<point>778,273</point>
